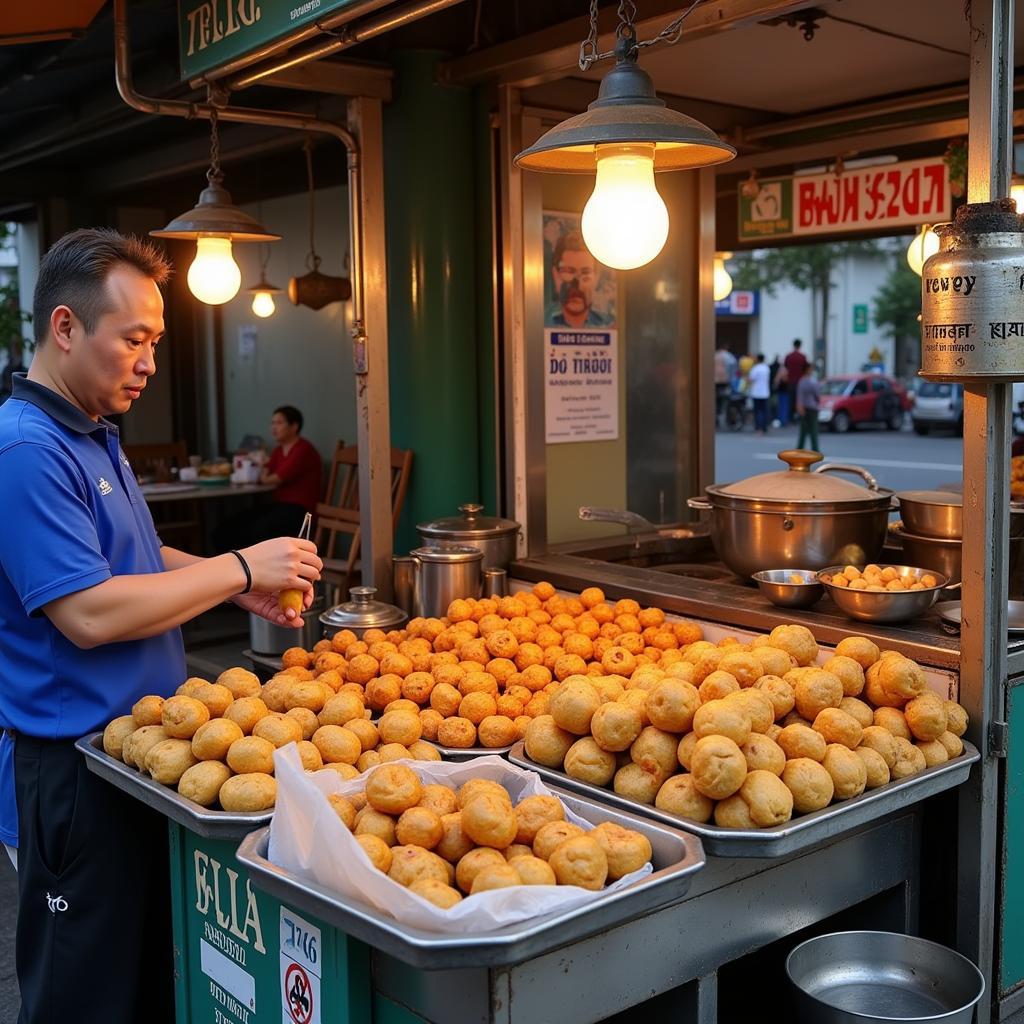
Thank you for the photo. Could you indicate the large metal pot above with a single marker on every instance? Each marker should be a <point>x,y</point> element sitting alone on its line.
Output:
<point>495,537</point>
<point>796,519</point>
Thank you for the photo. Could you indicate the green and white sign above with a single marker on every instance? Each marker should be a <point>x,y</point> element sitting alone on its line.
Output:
<point>860,318</point>
<point>213,32</point>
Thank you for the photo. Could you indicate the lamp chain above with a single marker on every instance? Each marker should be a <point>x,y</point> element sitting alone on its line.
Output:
<point>214,175</point>
<point>626,33</point>
<point>312,259</point>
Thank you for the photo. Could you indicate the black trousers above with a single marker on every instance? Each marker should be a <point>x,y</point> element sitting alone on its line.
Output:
<point>278,519</point>
<point>94,942</point>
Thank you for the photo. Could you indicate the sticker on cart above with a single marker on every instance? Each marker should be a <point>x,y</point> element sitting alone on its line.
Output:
<point>300,969</point>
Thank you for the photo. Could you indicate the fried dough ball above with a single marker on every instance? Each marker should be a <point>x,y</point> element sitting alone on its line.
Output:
<point>251,755</point>
<point>767,797</point>
<point>679,795</point>
<point>763,754</point>
<point>716,685</point>
<point>848,771</point>
<point>376,849</point>
<point>241,682</point>
<point>143,740</point>
<point>456,732</point>
<point>860,649</point>
<point>546,743</point>
<point>430,721</point>
<point>472,863</point>
<point>758,707</point>
<point>743,666</point>
<point>253,791</point>
<point>778,691</point>
<point>296,656</point>
<point>116,733</point>
<point>365,731</point>
<point>705,663</point>
<point>953,744</point>
<point>476,706</point>
<point>445,699</point>
<point>217,698</point>
<point>489,821</point>
<point>337,743</point>
<point>400,727</point>
<point>875,768</point>
<point>533,813</point>
<point>419,826</point>
<point>848,672</point>
<point>796,641</point>
<point>497,876</point>
<point>278,729</point>
<point>655,751</point>
<point>684,750</point>
<point>811,785</point>
<point>169,759</point>
<point>934,752</point>
<point>909,759</point>
<point>717,766</point>
<point>346,772</point>
<point>733,812</point>
<point>880,740</point>
<point>341,709</point>
<point>580,861</point>
<point>552,835</point>
<point>181,716</point>
<point>926,716</point>
<point>573,705</point>
<point>722,718</point>
<point>858,710</point>
<point>956,718</point>
<point>470,790</point>
<point>308,722</point>
<point>202,782</point>
<point>454,843</point>
<point>632,782</point>
<point>773,661</point>
<point>517,850</point>
<point>836,726</point>
<point>532,870</point>
<point>344,809</point>
<point>497,731</point>
<point>245,712</point>
<point>413,864</point>
<point>587,762</point>
<point>373,823</point>
<point>799,741</point>
<point>438,893</point>
<point>212,740</point>
<point>382,691</point>
<point>423,751</point>
<point>894,721</point>
<point>615,726</point>
<point>367,759</point>
<point>393,788</point>
<point>901,677</point>
<point>439,799</point>
<point>816,690</point>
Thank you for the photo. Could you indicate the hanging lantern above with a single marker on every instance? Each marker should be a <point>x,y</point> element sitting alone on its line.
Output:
<point>721,279</point>
<point>925,244</point>
<point>263,292</point>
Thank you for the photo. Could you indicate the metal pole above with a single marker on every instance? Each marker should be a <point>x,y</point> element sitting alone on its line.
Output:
<point>987,433</point>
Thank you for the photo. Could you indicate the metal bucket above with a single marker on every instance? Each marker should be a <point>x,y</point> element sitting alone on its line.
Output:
<point>266,638</point>
<point>865,977</point>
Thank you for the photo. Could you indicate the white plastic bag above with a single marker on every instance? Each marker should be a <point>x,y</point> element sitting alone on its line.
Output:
<point>308,839</point>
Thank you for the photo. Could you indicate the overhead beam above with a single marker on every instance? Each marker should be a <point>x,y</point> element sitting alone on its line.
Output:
<point>339,78</point>
<point>550,53</point>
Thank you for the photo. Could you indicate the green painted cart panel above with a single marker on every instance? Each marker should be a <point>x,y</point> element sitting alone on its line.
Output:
<point>241,957</point>
<point>1011,967</point>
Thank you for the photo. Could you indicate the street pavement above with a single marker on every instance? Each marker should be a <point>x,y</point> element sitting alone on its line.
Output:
<point>900,460</point>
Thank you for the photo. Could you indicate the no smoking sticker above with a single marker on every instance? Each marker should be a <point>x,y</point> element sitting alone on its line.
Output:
<point>298,993</point>
<point>300,969</point>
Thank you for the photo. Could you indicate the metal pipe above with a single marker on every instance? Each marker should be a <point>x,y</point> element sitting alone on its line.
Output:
<point>349,36</point>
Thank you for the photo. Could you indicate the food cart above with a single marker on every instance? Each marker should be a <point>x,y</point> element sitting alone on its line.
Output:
<point>745,898</point>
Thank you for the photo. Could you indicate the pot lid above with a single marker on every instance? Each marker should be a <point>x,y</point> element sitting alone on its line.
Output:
<point>950,498</point>
<point>363,612</point>
<point>448,554</point>
<point>798,483</point>
<point>471,525</point>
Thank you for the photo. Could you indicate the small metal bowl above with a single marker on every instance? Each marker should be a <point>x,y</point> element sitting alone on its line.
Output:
<point>884,606</point>
<point>776,586</point>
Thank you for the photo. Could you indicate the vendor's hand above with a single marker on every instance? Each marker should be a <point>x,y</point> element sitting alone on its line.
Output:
<point>286,563</point>
<point>266,607</point>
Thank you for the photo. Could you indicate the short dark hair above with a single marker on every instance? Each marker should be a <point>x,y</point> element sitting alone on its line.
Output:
<point>74,271</point>
<point>571,241</point>
<point>760,357</point>
<point>291,414</point>
<point>797,343</point>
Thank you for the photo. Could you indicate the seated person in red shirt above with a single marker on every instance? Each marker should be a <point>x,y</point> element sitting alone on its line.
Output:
<point>295,468</point>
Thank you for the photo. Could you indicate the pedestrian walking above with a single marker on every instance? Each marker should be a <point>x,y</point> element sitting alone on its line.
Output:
<point>760,391</point>
<point>725,372</point>
<point>795,364</point>
<point>808,402</point>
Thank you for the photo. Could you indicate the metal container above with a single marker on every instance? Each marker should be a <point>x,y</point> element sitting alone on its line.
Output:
<point>972,324</point>
<point>495,583</point>
<point>361,613</point>
<point>797,519</point>
<point>886,605</point>
<point>860,977</point>
<point>778,587</point>
<point>677,858</point>
<point>444,573</point>
<point>939,514</point>
<point>795,836</point>
<point>266,638</point>
<point>403,581</point>
<point>933,553</point>
<point>494,536</point>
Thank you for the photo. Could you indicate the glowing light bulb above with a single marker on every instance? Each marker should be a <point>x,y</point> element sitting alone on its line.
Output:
<point>263,304</point>
<point>721,280</point>
<point>625,221</point>
<point>925,244</point>
<point>214,277</point>
<point>1017,195</point>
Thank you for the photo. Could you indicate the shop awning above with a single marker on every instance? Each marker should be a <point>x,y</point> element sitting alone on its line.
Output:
<point>42,23</point>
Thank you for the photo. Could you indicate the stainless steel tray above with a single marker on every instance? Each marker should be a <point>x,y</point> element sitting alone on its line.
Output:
<point>794,836</point>
<point>677,856</point>
<point>268,662</point>
<point>195,817</point>
<point>468,753</point>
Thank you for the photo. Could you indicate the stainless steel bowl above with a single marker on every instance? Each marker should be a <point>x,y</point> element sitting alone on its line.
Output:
<point>932,513</point>
<point>777,586</point>
<point>938,554</point>
<point>860,977</point>
<point>884,606</point>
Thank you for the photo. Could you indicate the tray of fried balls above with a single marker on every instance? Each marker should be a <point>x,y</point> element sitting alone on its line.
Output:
<point>466,870</point>
<point>205,756</point>
<point>761,748</point>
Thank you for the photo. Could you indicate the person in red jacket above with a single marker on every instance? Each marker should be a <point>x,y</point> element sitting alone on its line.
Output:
<point>295,469</point>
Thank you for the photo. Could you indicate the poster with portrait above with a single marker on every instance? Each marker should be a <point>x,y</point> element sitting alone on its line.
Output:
<point>581,357</point>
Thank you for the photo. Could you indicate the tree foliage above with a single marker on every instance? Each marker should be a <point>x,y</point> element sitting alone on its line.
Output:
<point>805,267</point>
<point>898,302</point>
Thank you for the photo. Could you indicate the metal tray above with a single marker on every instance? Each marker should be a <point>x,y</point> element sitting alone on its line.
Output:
<point>677,856</point>
<point>949,613</point>
<point>796,835</point>
<point>268,662</point>
<point>468,753</point>
<point>195,817</point>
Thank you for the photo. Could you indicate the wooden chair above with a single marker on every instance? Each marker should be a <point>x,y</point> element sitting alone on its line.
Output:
<point>339,515</point>
<point>179,523</point>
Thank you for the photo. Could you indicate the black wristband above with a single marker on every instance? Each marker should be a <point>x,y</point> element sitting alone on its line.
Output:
<point>245,569</point>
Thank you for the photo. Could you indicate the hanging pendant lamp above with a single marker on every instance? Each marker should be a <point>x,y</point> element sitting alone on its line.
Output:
<point>624,137</point>
<point>215,222</point>
<point>263,292</point>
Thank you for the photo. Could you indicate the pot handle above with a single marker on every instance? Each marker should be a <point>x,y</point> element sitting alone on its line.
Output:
<point>842,467</point>
<point>699,504</point>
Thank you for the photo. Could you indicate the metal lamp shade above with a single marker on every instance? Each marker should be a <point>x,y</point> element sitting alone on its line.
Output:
<point>627,110</point>
<point>263,286</point>
<point>215,214</point>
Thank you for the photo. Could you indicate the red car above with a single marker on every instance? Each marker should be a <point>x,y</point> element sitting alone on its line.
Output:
<point>849,399</point>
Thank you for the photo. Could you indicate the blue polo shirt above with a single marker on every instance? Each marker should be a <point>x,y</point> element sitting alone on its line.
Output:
<point>75,517</point>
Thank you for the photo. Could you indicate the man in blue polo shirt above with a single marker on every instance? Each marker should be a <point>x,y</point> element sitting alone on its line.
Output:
<point>90,605</point>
